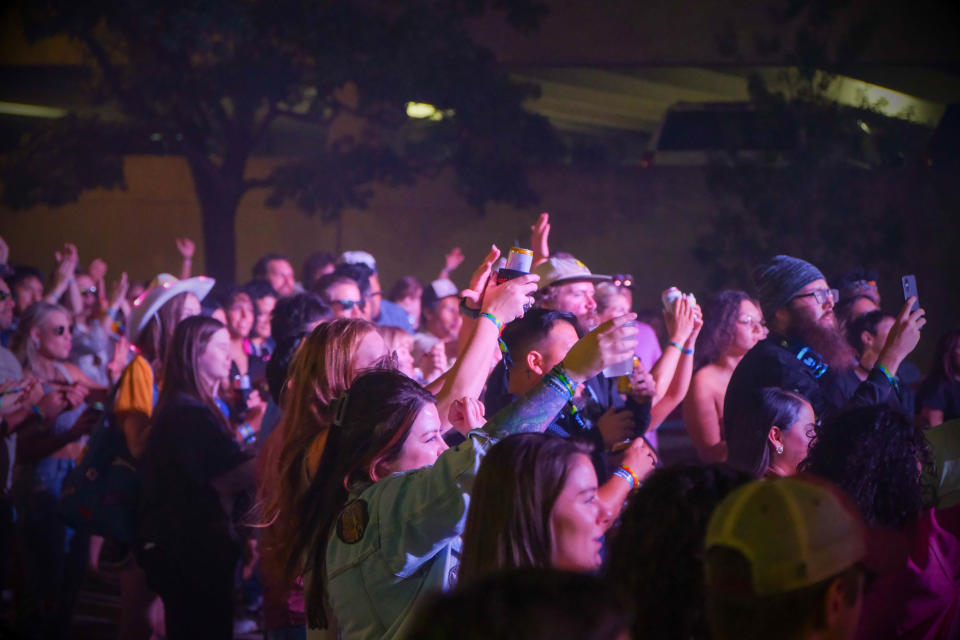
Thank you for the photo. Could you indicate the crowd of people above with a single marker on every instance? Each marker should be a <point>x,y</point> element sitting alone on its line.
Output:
<point>320,457</point>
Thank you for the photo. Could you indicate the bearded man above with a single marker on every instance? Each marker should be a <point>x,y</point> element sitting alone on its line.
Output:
<point>806,351</point>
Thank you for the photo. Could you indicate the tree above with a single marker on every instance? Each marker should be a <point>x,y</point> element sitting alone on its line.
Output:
<point>835,182</point>
<point>213,80</point>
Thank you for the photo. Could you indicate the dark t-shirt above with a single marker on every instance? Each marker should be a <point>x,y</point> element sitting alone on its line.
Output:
<point>942,394</point>
<point>186,450</point>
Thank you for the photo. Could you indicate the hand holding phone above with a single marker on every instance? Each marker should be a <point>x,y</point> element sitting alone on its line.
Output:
<point>910,290</point>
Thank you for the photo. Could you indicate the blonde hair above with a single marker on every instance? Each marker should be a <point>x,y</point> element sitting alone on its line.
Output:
<point>36,315</point>
<point>321,369</point>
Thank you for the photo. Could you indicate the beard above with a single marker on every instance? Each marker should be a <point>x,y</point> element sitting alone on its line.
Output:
<point>826,339</point>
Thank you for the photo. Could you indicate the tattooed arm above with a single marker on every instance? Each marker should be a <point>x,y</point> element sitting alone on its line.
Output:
<point>531,413</point>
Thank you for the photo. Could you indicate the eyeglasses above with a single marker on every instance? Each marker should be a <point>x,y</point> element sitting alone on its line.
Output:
<point>89,291</point>
<point>822,295</point>
<point>350,304</point>
<point>752,322</point>
<point>623,280</point>
<point>5,295</point>
<point>59,331</point>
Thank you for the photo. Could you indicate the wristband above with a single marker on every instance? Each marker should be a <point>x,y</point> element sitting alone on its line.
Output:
<point>492,318</point>
<point>625,475</point>
<point>468,311</point>
<point>633,476</point>
<point>686,352</point>
<point>37,411</point>
<point>892,379</point>
<point>675,344</point>
<point>558,380</point>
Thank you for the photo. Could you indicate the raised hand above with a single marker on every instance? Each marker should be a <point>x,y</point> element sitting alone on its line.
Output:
<point>610,343</point>
<point>506,302</point>
<point>467,414</point>
<point>903,337</point>
<point>186,248</point>
<point>540,239</point>
<point>641,458</point>
<point>480,278</point>
<point>453,259</point>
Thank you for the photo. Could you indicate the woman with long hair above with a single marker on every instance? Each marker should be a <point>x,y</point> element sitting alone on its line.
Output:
<point>772,435</point>
<point>939,398</point>
<point>53,555</point>
<point>323,366</point>
<point>881,461</point>
<point>386,503</point>
<point>534,504</point>
<point>733,324</point>
<point>193,476</point>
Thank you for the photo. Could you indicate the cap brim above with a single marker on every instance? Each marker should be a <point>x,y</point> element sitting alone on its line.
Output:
<point>594,278</point>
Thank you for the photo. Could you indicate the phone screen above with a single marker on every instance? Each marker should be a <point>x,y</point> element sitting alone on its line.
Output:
<point>910,289</point>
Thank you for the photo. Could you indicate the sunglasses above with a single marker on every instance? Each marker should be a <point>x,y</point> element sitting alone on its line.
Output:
<point>623,280</point>
<point>350,304</point>
<point>89,291</point>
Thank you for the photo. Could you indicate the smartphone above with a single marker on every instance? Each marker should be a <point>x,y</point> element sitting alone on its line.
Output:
<point>910,289</point>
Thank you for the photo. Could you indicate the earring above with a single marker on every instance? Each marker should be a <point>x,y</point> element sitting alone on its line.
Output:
<point>779,449</point>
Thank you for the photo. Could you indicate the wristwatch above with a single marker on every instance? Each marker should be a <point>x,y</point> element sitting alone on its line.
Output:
<point>468,311</point>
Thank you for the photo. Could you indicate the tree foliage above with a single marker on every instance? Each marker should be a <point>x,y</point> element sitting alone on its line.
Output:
<point>830,184</point>
<point>219,80</point>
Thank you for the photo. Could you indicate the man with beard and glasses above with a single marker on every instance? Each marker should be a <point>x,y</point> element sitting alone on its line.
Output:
<point>807,353</point>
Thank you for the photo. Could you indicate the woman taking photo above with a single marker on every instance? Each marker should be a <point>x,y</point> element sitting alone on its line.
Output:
<point>193,471</point>
<point>732,325</point>
<point>386,506</point>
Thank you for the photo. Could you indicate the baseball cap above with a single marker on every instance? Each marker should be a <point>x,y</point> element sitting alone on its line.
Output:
<point>564,270</point>
<point>794,532</point>
<point>358,257</point>
<point>437,290</point>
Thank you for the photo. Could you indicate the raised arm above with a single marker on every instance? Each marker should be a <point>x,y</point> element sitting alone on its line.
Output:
<point>680,383</point>
<point>679,325</point>
<point>501,304</point>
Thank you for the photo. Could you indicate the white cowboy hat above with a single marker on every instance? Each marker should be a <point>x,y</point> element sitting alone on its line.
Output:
<point>163,288</point>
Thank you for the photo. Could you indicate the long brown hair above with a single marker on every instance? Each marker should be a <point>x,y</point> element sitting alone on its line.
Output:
<point>181,375</point>
<point>508,525</point>
<point>153,341</point>
<point>377,413</point>
<point>321,369</point>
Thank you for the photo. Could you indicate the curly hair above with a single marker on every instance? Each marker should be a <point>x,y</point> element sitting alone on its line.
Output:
<point>878,458</point>
<point>656,556</point>
<point>720,316</point>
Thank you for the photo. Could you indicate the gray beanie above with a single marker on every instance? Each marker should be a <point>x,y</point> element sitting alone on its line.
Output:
<point>780,278</point>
